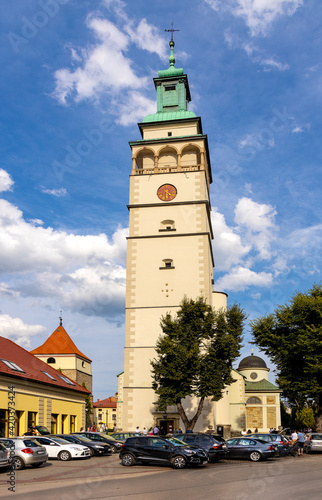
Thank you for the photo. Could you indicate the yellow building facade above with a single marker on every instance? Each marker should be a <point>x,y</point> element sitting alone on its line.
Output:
<point>33,393</point>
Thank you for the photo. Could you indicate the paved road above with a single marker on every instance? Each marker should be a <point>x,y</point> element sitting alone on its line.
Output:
<point>104,478</point>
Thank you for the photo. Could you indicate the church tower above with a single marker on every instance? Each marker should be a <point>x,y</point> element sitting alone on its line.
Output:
<point>169,249</point>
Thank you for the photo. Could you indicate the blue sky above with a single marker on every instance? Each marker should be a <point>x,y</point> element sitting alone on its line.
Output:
<point>76,78</point>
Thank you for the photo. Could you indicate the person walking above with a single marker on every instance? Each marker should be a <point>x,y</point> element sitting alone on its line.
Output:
<point>144,431</point>
<point>301,440</point>
<point>137,431</point>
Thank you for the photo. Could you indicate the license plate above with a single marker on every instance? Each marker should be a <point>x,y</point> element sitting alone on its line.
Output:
<point>40,452</point>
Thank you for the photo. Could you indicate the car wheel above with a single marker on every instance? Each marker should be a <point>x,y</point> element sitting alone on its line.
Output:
<point>64,455</point>
<point>178,462</point>
<point>35,466</point>
<point>128,460</point>
<point>92,452</point>
<point>255,456</point>
<point>113,448</point>
<point>19,463</point>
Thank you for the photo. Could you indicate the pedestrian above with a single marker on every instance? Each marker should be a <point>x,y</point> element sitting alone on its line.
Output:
<point>102,427</point>
<point>156,430</point>
<point>301,440</point>
<point>144,431</point>
<point>256,431</point>
<point>150,431</point>
<point>93,428</point>
<point>137,431</point>
<point>243,432</point>
<point>29,432</point>
<point>249,431</point>
<point>114,428</point>
<point>271,430</point>
<point>81,429</point>
<point>294,437</point>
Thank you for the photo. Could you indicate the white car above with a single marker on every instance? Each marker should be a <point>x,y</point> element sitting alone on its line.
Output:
<point>60,448</point>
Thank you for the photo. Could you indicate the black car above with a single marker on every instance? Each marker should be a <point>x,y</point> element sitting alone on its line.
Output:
<point>101,437</point>
<point>161,450</point>
<point>253,449</point>
<point>122,436</point>
<point>96,448</point>
<point>216,449</point>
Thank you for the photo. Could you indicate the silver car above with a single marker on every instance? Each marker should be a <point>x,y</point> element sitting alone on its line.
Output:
<point>24,452</point>
<point>4,456</point>
<point>313,442</point>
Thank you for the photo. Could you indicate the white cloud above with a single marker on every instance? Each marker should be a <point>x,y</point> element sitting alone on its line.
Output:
<point>55,192</point>
<point>228,247</point>
<point>84,273</point>
<point>6,181</point>
<point>258,15</point>
<point>18,331</point>
<point>134,106</point>
<point>240,278</point>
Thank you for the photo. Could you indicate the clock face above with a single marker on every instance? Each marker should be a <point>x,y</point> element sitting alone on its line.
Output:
<point>167,192</point>
<point>253,375</point>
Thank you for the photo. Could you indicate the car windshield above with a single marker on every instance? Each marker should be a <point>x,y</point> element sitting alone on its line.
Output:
<point>175,441</point>
<point>85,439</point>
<point>106,436</point>
<point>60,440</point>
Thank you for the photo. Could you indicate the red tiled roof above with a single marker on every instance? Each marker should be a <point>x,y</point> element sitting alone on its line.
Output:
<point>59,343</point>
<point>32,367</point>
<point>106,403</point>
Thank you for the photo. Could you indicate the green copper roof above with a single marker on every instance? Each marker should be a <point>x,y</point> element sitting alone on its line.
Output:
<point>170,115</point>
<point>173,94</point>
<point>261,385</point>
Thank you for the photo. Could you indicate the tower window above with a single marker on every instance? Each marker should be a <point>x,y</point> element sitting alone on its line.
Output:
<point>169,134</point>
<point>168,264</point>
<point>169,87</point>
<point>51,360</point>
<point>167,225</point>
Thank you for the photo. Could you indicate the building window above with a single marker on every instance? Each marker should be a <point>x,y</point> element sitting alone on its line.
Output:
<point>51,360</point>
<point>167,225</point>
<point>253,401</point>
<point>168,88</point>
<point>32,419</point>
<point>168,264</point>
<point>169,134</point>
<point>48,375</point>
<point>3,423</point>
<point>114,416</point>
<point>65,379</point>
<point>54,422</point>
<point>12,365</point>
<point>72,423</point>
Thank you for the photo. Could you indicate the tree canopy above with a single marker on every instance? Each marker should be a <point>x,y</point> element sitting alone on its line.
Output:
<point>195,355</point>
<point>292,338</point>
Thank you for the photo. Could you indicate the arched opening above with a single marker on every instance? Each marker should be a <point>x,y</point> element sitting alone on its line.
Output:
<point>145,161</point>
<point>168,159</point>
<point>190,157</point>
<point>51,360</point>
<point>253,401</point>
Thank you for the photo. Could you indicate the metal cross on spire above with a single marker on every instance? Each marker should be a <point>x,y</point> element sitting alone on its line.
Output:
<point>171,31</point>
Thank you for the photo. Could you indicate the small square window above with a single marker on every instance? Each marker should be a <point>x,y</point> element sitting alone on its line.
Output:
<point>169,134</point>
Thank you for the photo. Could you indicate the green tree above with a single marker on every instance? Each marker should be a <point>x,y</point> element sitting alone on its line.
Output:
<point>304,418</point>
<point>88,406</point>
<point>292,338</point>
<point>195,355</point>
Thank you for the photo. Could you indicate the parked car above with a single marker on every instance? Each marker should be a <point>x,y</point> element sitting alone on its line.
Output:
<point>313,442</point>
<point>282,443</point>
<point>60,448</point>
<point>103,438</point>
<point>26,452</point>
<point>161,450</point>
<point>42,430</point>
<point>95,448</point>
<point>122,436</point>
<point>253,449</point>
<point>4,456</point>
<point>207,442</point>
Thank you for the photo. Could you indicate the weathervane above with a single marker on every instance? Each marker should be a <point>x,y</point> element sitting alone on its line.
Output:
<point>61,318</point>
<point>171,31</point>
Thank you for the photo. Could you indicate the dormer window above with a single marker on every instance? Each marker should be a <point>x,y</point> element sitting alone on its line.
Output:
<point>51,361</point>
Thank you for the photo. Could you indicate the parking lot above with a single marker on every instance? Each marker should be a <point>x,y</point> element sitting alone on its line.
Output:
<point>104,477</point>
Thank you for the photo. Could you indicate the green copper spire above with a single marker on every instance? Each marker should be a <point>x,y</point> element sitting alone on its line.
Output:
<point>173,93</point>
<point>171,71</point>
